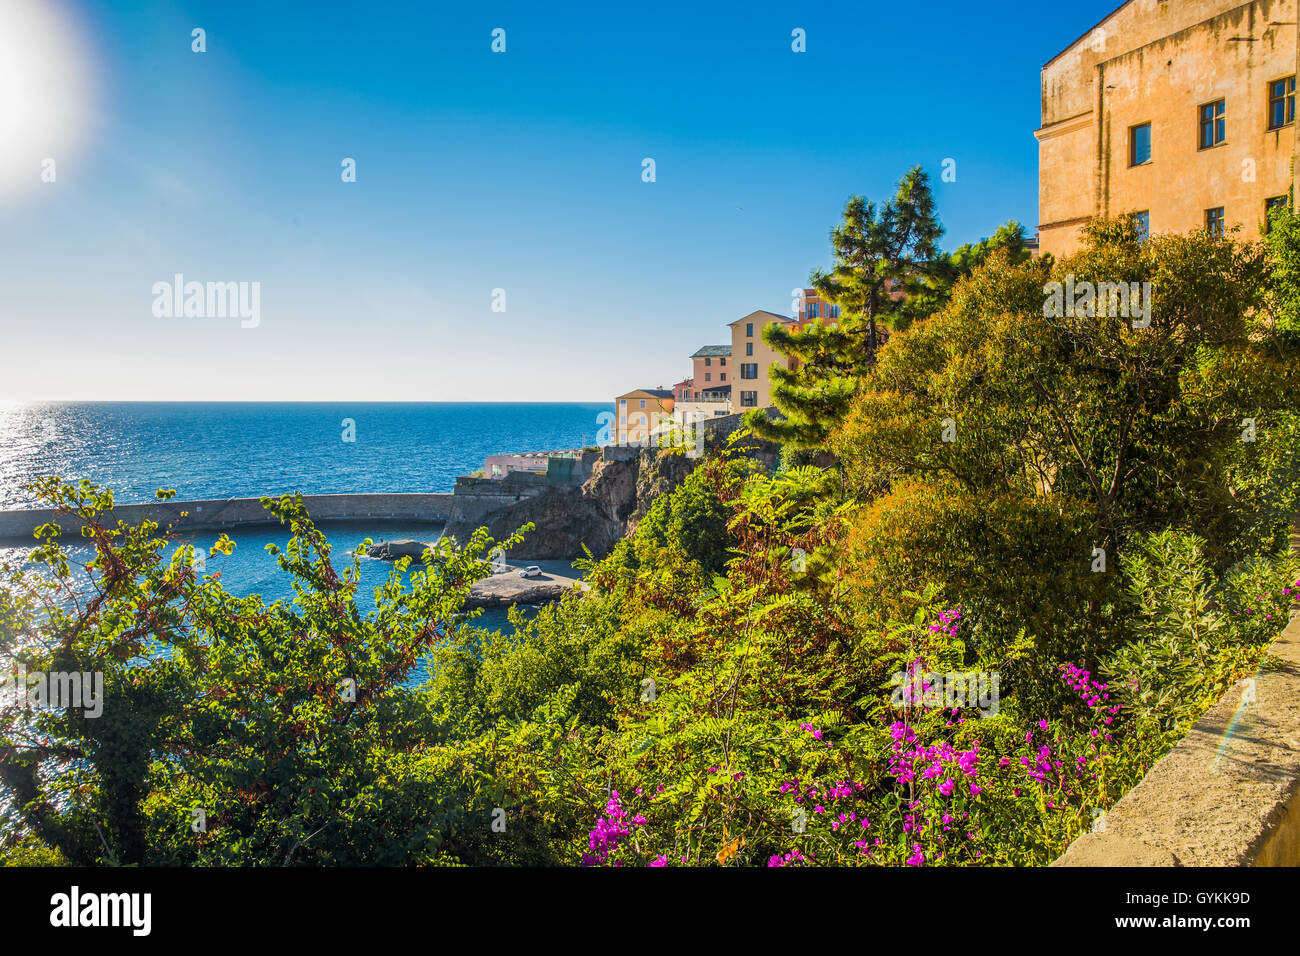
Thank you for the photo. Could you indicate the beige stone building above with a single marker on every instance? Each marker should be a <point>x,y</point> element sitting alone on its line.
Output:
<point>1180,111</point>
<point>640,412</point>
<point>751,358</point>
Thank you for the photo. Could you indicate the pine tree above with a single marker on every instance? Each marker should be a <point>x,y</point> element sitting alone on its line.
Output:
<point>878,252</point>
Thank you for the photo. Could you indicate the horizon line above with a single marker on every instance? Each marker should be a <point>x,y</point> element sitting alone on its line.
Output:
<point>295,401</point>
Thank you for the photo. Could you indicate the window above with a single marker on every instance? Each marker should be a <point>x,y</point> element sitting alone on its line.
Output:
<point>814,309</point>
<point>708,361</point>
<point>722,362</point>
<point>1281,103</point>
<point>1143,220</point>
<point>834,312</point>
<point>1214,221</point>
<point>1271,206</point>
<point>749,370</point>
<point>643,403</point>
<point>749,348</point>
<point>1212,124</point>
<point>708,376</point>
<point>622,403</point>
<point>722,377</point>
<point>1139,144</point>
<point>748,399</point>
<point>749,329</point>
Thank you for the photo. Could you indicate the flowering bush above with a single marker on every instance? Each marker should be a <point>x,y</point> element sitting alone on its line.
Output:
<point>610,834</point>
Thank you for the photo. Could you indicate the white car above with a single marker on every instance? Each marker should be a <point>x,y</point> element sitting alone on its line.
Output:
<point>532,571</point>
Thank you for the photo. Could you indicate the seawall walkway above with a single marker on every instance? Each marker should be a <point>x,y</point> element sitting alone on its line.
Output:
<point>225,514</point>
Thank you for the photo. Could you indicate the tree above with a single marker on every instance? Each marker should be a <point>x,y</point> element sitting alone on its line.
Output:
<point>1149,416</point>
<point>1283,289</point>
<point>879,252</point>
<point>933,289</point>
<point>289,726</point>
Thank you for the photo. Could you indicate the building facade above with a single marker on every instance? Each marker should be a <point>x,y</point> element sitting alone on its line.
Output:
<point>811,307</point>
<point>711,366</point>
<point>498,466</point>
<point>640,412</point>
<point>1179,111</point>
<point>752,357</point>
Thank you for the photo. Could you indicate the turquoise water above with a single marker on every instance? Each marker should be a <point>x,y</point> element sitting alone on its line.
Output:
<point>250,570</point>
<point>244,450</point>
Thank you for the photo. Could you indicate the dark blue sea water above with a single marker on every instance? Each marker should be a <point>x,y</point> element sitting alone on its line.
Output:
<point>241,450</point>
<point>244,450</point>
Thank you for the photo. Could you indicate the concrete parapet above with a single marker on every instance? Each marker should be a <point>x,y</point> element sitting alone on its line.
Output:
<point>1228,794</point>
<point>228,513</point>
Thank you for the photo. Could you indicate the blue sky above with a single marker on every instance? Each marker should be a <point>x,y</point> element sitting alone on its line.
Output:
<point>475,171</point>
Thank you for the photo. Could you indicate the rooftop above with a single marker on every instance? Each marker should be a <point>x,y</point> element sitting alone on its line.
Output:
<point>712,351</point>
<point>763,315</point>
<point>648,393</point>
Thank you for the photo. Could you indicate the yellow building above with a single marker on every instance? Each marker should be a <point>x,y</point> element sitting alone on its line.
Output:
<point>1181,111</point>
<point>640,412</point>
<point>751,358</point>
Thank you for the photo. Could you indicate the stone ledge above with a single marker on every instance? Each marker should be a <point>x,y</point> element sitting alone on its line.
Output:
<point>1228,794</point>
<point>16,527</point>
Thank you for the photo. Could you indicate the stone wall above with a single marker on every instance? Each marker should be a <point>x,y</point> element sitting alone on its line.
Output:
<point>583,504</point>
<point>1228,794</point>
<point>473,499</point>
<point>229,513</point>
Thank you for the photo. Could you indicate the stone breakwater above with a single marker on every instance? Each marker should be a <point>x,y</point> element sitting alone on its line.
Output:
<point>227,514</point>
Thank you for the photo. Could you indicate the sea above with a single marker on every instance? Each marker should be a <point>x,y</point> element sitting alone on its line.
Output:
<point>239,450</point>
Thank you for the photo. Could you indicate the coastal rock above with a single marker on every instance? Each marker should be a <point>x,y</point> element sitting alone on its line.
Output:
<point>612,486</point>
<point>621,483</point>
<point>504,590</point>
<point>568,516</point>
<point>658,473</point>
<point>565,520</point>
<point>402,548</point>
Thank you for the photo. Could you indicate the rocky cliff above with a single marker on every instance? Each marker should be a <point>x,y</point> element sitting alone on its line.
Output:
<point>596,513</point>
<point>595,502</point>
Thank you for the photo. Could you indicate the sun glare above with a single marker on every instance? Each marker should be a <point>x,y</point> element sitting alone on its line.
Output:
<point>44,90</point>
